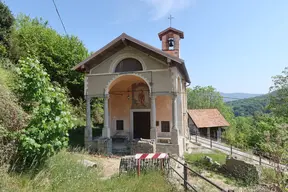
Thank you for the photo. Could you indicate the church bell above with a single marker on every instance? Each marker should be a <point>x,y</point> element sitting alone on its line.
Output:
<point>171,42</point>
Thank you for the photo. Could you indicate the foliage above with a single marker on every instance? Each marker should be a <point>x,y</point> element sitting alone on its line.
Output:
<point>279,100</point>
<point>241,132</point>
<point>276,145</point>
<point>208,98</point>
<point>47,132</point>
<point>248,107</point>
<point>7,147</point>
<point>6,22</point>
<point>62,172</point>
<point>97,111</point>
<point>12,117</point>
<point>58,54</point>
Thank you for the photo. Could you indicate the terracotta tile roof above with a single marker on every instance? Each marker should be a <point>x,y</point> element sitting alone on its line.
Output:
<point>207,118</point>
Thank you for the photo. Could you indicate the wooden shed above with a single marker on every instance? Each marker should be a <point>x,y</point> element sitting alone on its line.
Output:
<point>206,123</point>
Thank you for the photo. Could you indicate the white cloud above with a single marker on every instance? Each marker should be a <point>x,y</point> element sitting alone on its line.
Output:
<point>162,8</point>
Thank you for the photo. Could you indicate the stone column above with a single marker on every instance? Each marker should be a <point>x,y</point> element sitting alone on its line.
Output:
<point>106,129</point>
<point>153,130</point>
<point>175,131</point>
<point>88,129</point>
<point>208,132</point>
<point>219,133</point>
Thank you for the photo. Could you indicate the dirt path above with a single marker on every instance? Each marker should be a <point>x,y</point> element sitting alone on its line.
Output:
<point>109,166</point>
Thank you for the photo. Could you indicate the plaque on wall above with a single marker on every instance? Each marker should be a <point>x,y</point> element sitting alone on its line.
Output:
<point>140,96</point>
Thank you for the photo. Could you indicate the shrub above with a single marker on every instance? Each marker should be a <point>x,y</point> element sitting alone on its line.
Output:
<point>7,147</point>
<point>12,117</point>
<point>47,132</point>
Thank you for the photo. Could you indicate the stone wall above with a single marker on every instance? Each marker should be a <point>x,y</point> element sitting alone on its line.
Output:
<point>143,146</point>
<point>91,145</point>
<point>104,145</point>
<point>167,148</point>
<point>241,170</point>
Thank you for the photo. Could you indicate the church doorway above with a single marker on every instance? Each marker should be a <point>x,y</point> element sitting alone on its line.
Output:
<point>141,125</point>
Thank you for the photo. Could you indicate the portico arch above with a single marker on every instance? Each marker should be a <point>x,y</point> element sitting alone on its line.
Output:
<point>120,77</point>
<point>129,109</point>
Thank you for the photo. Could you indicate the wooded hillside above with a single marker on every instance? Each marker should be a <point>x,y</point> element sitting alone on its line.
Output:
<point>248,107</point>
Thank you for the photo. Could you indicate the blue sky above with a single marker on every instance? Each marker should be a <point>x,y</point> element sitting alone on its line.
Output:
<point>233,45</point>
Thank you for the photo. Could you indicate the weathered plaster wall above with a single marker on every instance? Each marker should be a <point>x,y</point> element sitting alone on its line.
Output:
<point>108,65</point>
<point>180,90</point>
<point>119,106</point>
<point>163,113</point>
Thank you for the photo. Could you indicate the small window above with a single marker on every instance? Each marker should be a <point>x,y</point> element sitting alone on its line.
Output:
<point>165,126</point>
<point>128,64</point>
<point>119,125</point>
<point>157,123</point>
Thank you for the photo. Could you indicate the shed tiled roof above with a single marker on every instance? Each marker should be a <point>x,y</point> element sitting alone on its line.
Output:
<point>204,118</point>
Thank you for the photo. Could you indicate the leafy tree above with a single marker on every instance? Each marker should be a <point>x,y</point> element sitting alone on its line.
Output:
<point>279,100</point>
<point>6,22</point>
<point>47,132</point>
<point>274,142</point>
<point>208,98</point>
<point>58,54</point>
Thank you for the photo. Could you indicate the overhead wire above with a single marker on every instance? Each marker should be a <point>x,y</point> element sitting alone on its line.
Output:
<point>59,17</point>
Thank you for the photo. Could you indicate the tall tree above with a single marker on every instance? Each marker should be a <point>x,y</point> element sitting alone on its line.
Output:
<point>208,98</point>
<point>6,22</point>
<point>57,53</point>
<point>279,97</point>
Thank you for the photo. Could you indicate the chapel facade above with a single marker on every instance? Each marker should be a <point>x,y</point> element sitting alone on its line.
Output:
<point>144,91</point>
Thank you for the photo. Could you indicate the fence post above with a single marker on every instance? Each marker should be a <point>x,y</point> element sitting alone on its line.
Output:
<point>260,159</point>
<point>211,142</point>
<point>138,168</point>
<point>196,137</point>
<point>185,176</point>
<point>231,150</point>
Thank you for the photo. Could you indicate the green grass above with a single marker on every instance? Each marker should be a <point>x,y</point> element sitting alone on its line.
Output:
<point>63,173</point>
<point>197,157</point>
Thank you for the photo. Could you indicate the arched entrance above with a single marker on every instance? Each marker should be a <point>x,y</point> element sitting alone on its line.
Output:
<point>129,107</point>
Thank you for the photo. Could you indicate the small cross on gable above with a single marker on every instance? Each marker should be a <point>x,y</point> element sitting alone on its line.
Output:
<point>170,18</point>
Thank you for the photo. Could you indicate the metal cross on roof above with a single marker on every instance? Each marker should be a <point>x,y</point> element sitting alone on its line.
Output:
<point>170,18</point>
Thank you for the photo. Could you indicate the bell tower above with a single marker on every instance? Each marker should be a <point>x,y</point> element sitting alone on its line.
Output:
<point>170,38</point>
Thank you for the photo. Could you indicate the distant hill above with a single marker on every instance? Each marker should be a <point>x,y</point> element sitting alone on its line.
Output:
<point>247,107</point>
<point>236,96</point>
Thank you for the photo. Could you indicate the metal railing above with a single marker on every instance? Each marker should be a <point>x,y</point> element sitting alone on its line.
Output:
<point>184,177</point>
<point>231,150</point>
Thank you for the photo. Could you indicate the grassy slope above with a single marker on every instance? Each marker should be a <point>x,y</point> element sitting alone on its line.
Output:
<point>63,173</point>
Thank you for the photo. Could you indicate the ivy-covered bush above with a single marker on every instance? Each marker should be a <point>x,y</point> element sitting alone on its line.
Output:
<point>47,131</point>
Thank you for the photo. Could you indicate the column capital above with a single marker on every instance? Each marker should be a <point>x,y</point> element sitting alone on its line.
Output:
<point>106,96</point>
<point>152,96</point>
<point>174,95</point>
